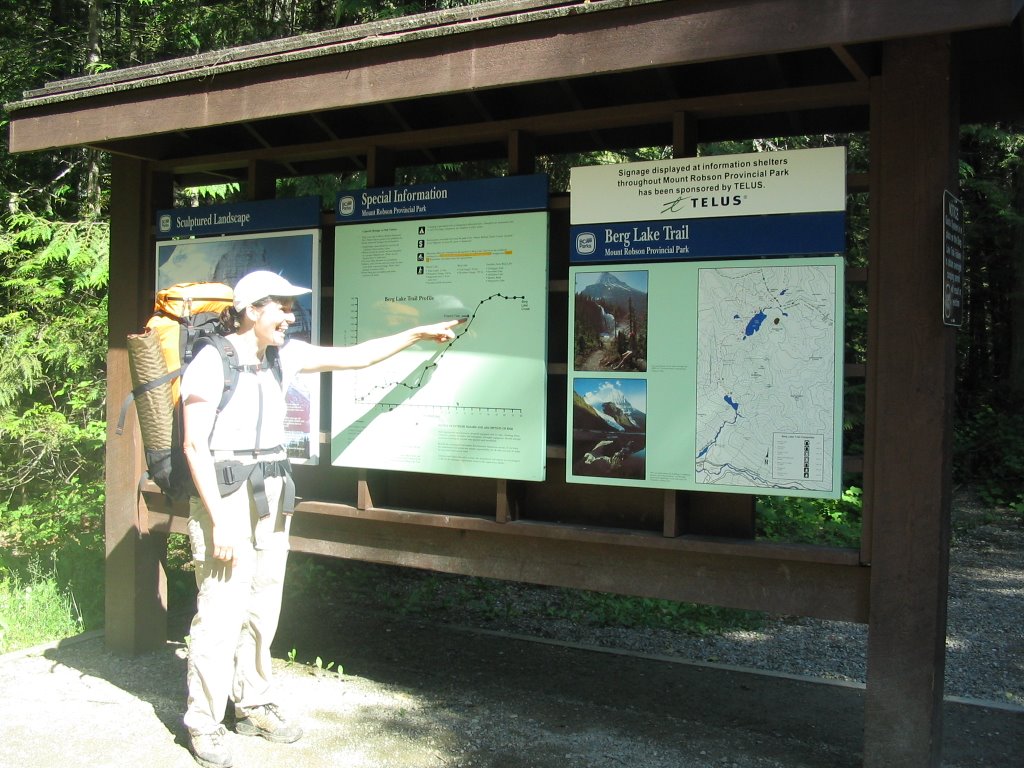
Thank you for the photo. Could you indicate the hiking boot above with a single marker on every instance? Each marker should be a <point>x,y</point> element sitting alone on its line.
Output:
<point>210,749</point>
<point>267,721</point>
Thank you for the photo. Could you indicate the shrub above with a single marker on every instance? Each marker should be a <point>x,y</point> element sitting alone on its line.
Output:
<point>811,521</point>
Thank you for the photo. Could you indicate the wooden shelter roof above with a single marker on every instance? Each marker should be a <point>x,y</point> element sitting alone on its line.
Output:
<point>451,85</point>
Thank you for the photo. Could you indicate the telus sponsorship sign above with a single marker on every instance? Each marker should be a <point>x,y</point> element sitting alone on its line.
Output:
<point>796,181</point>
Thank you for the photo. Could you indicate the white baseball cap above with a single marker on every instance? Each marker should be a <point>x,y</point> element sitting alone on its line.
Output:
<point>261,285</point>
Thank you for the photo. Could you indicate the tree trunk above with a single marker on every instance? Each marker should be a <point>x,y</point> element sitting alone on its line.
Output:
<point>92,193</point>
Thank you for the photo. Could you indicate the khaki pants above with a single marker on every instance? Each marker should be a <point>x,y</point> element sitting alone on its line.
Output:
<point>237,608</point>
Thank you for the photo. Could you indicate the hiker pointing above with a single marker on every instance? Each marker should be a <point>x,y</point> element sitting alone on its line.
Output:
<point>238,525</point>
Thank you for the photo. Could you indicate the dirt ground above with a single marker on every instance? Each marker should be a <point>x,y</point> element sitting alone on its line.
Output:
<point>417,695</point>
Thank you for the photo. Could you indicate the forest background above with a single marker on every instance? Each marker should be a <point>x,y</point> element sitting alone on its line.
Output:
<point>54,274</point>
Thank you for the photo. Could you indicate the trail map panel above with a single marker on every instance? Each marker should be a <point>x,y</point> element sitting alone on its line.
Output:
<point>735,386</point>
<point>768,376</point>
<point>475,406</point>
<point>694,365</point>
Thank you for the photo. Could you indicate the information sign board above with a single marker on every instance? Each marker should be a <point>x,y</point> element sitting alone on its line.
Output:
<point>722,376</point>
<point>952,260</point>
<point>475,406</point>
<point>282,247</point>
<point>692,365</point>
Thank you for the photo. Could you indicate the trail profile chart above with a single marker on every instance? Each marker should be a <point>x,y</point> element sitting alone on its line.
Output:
<point>474,406</point>
<point>427,369</point>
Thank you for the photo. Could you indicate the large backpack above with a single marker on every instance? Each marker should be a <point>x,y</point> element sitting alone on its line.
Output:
<point>186,317</point>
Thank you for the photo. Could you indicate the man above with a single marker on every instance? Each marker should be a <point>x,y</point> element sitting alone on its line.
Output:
<point>239,523</point>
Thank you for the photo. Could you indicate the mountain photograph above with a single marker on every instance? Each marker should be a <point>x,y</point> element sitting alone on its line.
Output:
<point>609,428</point>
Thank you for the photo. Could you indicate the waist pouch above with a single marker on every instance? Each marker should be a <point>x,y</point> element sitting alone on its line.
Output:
<point>233,474</point>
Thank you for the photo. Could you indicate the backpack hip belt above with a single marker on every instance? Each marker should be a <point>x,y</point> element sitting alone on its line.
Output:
<point>255,467</point>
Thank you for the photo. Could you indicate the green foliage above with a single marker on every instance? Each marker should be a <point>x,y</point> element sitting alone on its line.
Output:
<point>53,278</point>
<point>54,519</point>
<point>36,610</point>
<point>800,520</point>
<point>317,667</point>
<point>989,454</point>
<point>141,31</point>
<point>608,610</point>
<point>410,592</point>
<point>213,194</point>
<point>347,12</point>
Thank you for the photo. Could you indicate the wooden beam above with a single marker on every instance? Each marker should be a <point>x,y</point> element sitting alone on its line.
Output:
<point>623,564</point>
<point>544,46</point>
<point>849,61</point>
<point>910,383</point>
<point>824,582</point>
<point>314,43</point>
<point>706,107</point>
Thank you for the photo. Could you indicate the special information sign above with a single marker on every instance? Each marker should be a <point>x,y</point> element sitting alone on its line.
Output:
<point>694,366</point>
<point>475,251</point>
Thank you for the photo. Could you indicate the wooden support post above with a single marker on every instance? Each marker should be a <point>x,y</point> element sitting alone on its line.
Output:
<point>363,498</point>
<point>522,153</point>
<point>380,167</point>
<point>703,514</point>
<point>380,172</point>
<point>136,585</point>
<point>262,180</point>
<point>684,135</point>
<point>910,383</point>
<point>507,503</point>
<point>671,519</point>
<point>684,144</point>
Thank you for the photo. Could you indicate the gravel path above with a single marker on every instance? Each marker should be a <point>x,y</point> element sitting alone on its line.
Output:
<point>417,693</point>
<point>985,645</point>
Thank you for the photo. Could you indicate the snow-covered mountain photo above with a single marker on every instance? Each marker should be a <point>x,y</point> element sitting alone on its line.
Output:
<point>611,290</point>
<point>609,427</point>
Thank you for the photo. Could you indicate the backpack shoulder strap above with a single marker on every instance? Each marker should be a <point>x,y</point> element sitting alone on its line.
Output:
<point>273,358</point>
<point>229,364</point>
